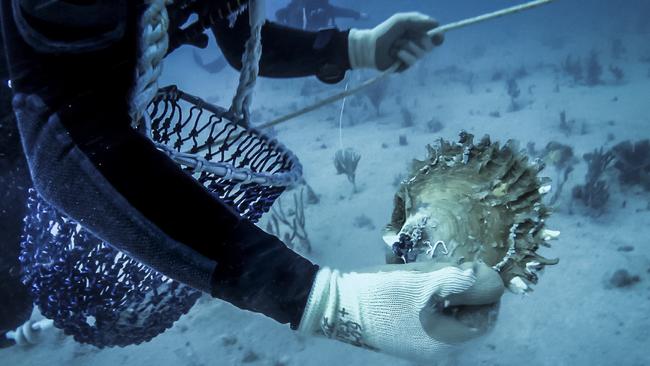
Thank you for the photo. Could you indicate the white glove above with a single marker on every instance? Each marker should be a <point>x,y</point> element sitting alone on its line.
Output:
<point>402,38</point>
<point>30,333</point>
<point>382,310</point>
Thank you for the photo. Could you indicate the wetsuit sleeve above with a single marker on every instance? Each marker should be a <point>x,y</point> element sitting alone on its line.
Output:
<point>16,304</point>
<point>288,52</point>
<point>86,160</point>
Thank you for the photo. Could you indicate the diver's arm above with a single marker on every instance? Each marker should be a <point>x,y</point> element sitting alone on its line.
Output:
<point>86,160</point>
<point>288,52</point>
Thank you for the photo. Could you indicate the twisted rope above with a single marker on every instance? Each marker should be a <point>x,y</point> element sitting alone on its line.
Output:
<point>154,43</point>
<point>243,98</point>
<point>242,175</point>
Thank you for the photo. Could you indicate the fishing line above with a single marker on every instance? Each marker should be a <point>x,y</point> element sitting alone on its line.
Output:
<point>341,118</point>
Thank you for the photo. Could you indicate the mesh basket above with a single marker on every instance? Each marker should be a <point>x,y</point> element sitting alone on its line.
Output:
<point>98,294</point>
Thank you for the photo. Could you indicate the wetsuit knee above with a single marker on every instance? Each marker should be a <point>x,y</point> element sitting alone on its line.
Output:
<point>70,25</point>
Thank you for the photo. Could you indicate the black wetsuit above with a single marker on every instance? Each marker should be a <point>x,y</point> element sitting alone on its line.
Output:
<point>85,159</point>
<point>16,304</point>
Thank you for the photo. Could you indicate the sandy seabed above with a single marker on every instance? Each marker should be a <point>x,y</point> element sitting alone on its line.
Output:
<point>571,318</point>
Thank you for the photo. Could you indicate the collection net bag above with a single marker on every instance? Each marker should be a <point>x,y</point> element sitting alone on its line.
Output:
<point>98,294</point>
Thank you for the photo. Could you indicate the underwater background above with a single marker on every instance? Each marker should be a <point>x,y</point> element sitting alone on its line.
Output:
<point>570,81</point>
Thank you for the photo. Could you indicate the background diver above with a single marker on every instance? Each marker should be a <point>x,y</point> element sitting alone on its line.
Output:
<point>16,305</point>
<point>301,14</point>
<point>314,14</point>
<point>72,70</point>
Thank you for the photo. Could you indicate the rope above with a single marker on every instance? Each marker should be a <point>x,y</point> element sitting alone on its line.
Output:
<point>243,98</point>
<point>228,172</point>
<point>250,64</point>
<point>331,99</point>
<point>489,16</point>
<point>341,118</point>
<point>396,66</point>
<point>154,43</point>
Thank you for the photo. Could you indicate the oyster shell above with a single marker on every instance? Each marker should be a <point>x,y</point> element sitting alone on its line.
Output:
<point>468,202</point>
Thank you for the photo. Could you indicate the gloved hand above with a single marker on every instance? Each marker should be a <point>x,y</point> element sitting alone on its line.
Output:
<point>402,38</point>
<point>382,309</point>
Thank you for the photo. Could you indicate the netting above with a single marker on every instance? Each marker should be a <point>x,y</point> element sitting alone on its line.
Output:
<point>101,296</point>
<point>92,291</point>
<point>244,167</point>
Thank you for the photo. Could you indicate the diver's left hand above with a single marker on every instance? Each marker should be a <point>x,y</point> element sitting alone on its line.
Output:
<point>394,308</point>
<point>402,38</point>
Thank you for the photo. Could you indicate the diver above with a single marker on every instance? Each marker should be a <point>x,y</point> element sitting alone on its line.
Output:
<point>301,14</point>
<point>321,14</point>
<point>16,305</point>
<point>314,14</point>
<point>72,68</point>
<point>292,15</point>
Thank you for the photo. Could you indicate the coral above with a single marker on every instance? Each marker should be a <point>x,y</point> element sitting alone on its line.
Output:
<point>250,356</point>
<point>377,92</point>
<point>397,180</point>
<point>497,75</point>
<point>312,197</point>
<point>435,126</point>
<point>403,141</point>
<point>289,226</point>
<point>455,74</point>
<point>594,194</point>
<point>633,163</point>
<point>512,88</point>
<point>408,119</point>
<point>346,162</point>
<point>531,89</point>
<point>362,222</point>
<point>520,73</point>
<point>566,125</point>
<point>470,82</point>
<point>573,68</point>
<point>560,157</point>
<point>594,70</point>
<point>617,73</point>
<point>622,278</point>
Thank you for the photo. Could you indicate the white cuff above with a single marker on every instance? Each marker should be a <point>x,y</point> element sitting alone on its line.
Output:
<point>361,49</point>
<point>316,303</point>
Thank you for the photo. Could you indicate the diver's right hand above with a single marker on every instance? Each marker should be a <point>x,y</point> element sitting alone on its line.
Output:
<point>382,309</point>
<point>402,39</point>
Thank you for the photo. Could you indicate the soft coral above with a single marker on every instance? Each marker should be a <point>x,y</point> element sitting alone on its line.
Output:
<point>633,162</point>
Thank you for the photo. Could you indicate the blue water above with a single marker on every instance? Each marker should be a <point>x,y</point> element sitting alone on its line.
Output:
<point>576,315</point>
